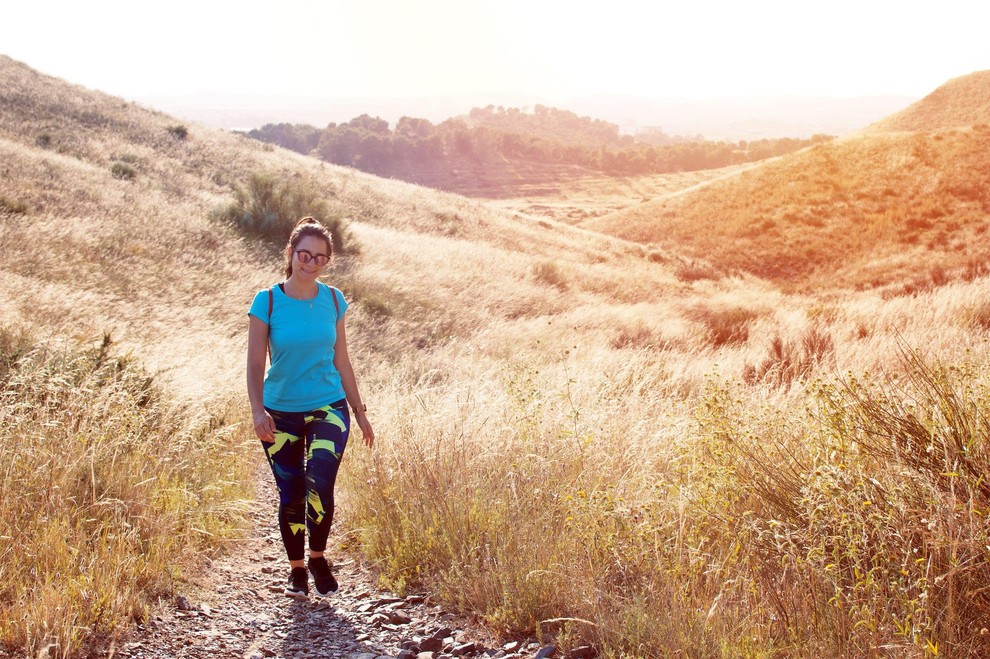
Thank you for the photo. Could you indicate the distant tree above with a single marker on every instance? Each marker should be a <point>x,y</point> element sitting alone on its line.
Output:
<point>496,136</point>
<point>414,128</point>
<point>301,138</point>
<point>369,124</point>
<point>374,152</point>
<point>340,145</point>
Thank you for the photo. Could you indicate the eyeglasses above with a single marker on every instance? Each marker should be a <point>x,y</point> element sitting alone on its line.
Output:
<point>306,256</point>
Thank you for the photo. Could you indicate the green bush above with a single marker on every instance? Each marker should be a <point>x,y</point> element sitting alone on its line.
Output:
<point>269,207</point>
<point>179,131</point>
<point>377,307</point>
<point>123,171</point>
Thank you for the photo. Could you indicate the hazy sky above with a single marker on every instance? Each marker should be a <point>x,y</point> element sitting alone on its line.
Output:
<point>553,48</point>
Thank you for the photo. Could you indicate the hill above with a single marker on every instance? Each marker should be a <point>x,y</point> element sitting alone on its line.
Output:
<point>577,433</point>
<point>866,211</point>
<point>961,102</point>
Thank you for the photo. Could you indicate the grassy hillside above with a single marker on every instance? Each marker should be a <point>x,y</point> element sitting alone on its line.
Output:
<point>579,436</point>
<point>963,101</point>
<point>867,211</point>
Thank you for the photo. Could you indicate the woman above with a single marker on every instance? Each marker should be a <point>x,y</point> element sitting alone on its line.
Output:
<point>300,406</point>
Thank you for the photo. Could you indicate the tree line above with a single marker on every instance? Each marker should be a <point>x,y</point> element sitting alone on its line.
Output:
<point>494,135</point>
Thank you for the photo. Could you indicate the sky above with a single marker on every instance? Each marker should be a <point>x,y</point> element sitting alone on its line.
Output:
<point>555,49</point>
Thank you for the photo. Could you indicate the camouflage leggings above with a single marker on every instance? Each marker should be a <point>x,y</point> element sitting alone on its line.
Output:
<point>305,472</point>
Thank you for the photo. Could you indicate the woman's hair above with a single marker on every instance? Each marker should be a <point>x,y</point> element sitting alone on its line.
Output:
<point>307,226</point>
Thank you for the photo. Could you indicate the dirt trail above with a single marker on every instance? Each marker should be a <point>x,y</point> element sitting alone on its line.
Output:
<point>236,608</point>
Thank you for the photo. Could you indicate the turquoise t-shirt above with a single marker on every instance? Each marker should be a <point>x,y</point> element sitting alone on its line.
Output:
<point>302,334</point>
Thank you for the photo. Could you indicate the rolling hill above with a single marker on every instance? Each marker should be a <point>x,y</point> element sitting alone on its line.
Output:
<point>961,102</point>
<point>874,209</point>
<point>625,441</point>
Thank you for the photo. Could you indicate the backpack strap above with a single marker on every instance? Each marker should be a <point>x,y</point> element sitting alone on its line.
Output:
<point>336,307</point>
<point>271,305</point>
<point>271,302</point>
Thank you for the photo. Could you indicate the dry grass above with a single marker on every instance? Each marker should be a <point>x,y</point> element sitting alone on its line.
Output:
<point>604,483</point>
<point>583,198</point>
<point>575,438</point>
<point>960,102</point>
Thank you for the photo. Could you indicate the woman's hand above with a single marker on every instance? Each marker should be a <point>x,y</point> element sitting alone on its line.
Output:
<point>366,430</point>
<point>264,426</point>
<point>257,355</point>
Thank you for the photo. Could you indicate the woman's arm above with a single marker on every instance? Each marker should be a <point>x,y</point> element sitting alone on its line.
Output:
<point>257,353</point>
<point>342,361</point>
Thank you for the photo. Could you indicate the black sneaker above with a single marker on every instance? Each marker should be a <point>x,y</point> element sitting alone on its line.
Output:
<point>298,584</point>
<point>322,577</point>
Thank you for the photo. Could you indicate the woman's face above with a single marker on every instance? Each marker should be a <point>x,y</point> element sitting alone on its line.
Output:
<point>314,250</point>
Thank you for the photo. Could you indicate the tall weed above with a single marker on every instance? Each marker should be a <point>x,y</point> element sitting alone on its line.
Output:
<point>108,493</point>
<point>867,514</point>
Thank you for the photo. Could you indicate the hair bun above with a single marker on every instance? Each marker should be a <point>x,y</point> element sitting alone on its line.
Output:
<point>309,219</point>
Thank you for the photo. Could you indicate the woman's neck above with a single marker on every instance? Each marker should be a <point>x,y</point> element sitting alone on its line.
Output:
<point>300,290</point>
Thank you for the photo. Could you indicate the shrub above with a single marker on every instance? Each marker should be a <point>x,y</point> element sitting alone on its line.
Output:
<point>179,131</point>
<point>44,140</point>
<point>636,336</point>
<point>123,171</point>
<point>789,361</point>
<point>372,303</point>
<point>695,271</point>
<point>14,344</point>
<point>548,272</point>
<point>979,316</point>
<point>12,206</point>
<point>656,256</point>
<point>975,268</point>
<point>268,207</point>
<point>376,306</point>
<point>939,276</point>
<point>725,326</point>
